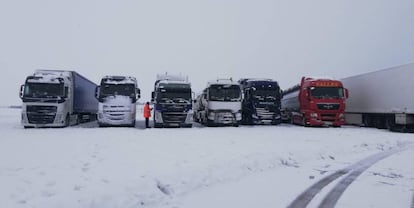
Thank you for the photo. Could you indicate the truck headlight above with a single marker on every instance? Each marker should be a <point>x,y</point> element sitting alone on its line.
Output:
<point>238,116</point>
<point>313,115</point>
<point>58,117</point>
<point>211,115</point>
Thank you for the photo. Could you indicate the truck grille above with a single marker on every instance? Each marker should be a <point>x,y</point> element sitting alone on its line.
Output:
<point>328,106</point>
<point>41,114</point>
<point>264,114</point>
<point>174,117</point>
<point>224,117</point>
<point>328,117</point>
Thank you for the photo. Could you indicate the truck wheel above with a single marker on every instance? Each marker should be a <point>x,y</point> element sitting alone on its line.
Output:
<point>157,125</point>
<point>67,120</point>
<point>305,122</point>
<point>209,123</point>
<point>188,125</point>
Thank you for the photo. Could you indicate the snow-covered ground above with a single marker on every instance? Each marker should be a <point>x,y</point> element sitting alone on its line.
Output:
<point>249,166</point>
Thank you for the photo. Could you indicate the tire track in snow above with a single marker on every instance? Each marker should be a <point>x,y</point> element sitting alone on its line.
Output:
<point>333,196</point>
<point>306,197</point>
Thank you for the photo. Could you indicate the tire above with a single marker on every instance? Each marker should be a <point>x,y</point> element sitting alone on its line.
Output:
<point>209,123</point>
<point>132,124</point>
<point>187,125</point>
<point>157,125</point>
<point>304,121</point>
<point>67,120</point>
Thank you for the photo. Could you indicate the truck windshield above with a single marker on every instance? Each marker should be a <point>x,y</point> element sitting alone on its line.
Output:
<point>174,93</point>
<point>269,95</point>
<point>117,89</point>
<point>43,90</point>
<point>224,93</point>
<point>327,92</point>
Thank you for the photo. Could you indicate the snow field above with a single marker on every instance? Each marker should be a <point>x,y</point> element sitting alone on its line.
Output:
<point>268,166</point>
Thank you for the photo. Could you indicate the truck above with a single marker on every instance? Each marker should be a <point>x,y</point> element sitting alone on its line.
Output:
<point>219,104</point>
<point>315,102</point>
<point>172,101</point>
<point>382,99</point>
<point>117,97</point>
<point>262,101</point>
<point>57,98</point>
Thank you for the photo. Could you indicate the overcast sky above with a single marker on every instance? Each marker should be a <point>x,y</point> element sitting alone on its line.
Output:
<point>204,39</point>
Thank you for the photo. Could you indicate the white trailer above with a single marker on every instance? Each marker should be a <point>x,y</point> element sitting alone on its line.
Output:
<point>382,99</point>
<point>220,103</point>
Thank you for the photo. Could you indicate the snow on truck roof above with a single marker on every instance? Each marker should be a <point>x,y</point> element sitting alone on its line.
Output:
<point>223,82</point>
<point>119,80</point>
<point>48,76</point>
<point>172,77</point>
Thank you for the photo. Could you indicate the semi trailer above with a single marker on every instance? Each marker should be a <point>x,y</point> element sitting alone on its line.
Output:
<point>262,101</point>
<point>315,102</point>
<point>382,99</point>
<point>57,98</point>
<point>172,100</point>
<point>117,96</point>
<point>219,104</point>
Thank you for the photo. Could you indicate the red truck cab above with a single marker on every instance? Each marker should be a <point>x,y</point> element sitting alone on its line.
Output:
<point>316,102</point>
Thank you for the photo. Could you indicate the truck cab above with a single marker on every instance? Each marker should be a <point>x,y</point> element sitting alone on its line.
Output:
<point>219,103</point>
<point>316,102</point>
<point>172,100</point>
<point>262,101</point>
<point>117,96</point>
<point>56,98</point>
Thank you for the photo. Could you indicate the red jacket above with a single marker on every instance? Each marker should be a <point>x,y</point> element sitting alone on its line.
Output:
<point>147,111</point>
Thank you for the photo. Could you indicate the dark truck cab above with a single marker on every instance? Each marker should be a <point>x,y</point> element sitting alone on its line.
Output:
<point>262,101</point>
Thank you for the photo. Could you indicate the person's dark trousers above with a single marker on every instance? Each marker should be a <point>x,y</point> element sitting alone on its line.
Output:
<point>146,122</point>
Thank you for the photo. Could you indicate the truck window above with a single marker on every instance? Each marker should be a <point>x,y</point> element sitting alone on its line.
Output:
<point>327,92</point>
<point>224,93</point>
<point>117,89</point>
<point>43,90</point>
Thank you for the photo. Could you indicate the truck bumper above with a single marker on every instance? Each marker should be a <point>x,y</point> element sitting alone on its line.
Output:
<point>118,119</point>
<point>173,119</point>
<point>225,117</point>
<point>39,122</point>
<point>325,119</point>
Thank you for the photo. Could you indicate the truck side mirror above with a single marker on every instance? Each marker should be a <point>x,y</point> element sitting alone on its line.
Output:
<point>346,93</point>
<point>152,95</point>
<point>97,91</point>
<point>308,94</point>
<point>21,91</point>
<point>66,92</point>
<point>138,93</point>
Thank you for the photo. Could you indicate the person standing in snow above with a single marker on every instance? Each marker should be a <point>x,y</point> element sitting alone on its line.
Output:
<point>147,114</point>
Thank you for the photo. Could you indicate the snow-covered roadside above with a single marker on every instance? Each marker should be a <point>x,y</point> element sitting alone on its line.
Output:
<point>132,167</point>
